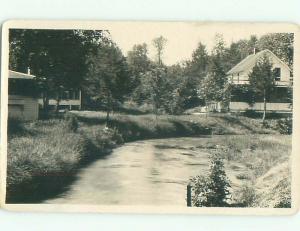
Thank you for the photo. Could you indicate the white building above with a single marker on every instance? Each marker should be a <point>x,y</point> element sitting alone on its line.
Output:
<point>69,100</point>
<point>239,75</point>
<point>22,102</point>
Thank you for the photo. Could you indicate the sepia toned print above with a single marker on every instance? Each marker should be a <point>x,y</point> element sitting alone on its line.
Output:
<point>182,117</point>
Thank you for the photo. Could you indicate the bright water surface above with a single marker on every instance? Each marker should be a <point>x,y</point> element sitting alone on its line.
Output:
<point>151,172</point>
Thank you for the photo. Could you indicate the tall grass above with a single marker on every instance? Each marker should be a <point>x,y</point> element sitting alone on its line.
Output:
<point>258,153</point>
<point>263,178</point>
<point>140,127</point>
<point>182,125</point>
<point>52,149</point>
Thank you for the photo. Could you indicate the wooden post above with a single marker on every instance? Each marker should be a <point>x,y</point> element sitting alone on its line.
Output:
<point>189,195</point>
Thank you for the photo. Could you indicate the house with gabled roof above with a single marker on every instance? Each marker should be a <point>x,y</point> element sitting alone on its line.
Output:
<point>239,76</point>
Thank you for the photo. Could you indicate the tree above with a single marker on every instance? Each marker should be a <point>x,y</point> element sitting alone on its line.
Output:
<point>241,49</point>
<point>262,81</point>
<point>212,88</point>
<point>213,85</point>
<point>108,81</point>
<point>159,44</point>
<point>56,57</point>
<point>219,48</point>
<point>281,44</point>
<point>189,92</point>
<point>195,72</point>
<point>198,66</point>
<point>138,63</point>
<point>138,59</point>
<point>213,190</point>
<point>155,87</point>
<point>252,44</point>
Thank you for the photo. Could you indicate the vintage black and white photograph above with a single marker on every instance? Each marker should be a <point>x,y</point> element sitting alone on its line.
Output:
<point>178,114</point>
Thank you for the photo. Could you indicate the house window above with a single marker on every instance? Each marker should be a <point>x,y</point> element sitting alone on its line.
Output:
<point>277,73</point>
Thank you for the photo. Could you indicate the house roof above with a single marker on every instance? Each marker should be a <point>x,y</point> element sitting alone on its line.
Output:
<point>19,75</point>
<point>250,61</point>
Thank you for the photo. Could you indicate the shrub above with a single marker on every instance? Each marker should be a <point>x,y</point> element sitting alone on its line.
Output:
<point>211,191</point>
<point>285,126</point>
<point>285,202</point>
<point>15,126</point>
<point>246,196</point>
<point>71,122</point>
<point>243,176</point>
<point>116,136</point>
<point>103,139</point>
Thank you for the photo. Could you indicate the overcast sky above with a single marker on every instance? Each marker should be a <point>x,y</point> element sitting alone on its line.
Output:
<point>182,37</point>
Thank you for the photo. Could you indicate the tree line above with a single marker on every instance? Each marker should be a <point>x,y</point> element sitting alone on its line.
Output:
<point>91,61</point>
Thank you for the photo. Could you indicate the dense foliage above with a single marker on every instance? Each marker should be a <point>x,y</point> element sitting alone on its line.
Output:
<point>285,125</point>
<point>56,57</point>
<point>107,80</point>
<point>70,59</point>
<point>202,79</point>
<point>213,190</point>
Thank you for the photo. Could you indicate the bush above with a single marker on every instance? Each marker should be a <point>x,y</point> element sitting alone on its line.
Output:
<point>107,139</point>
<point>285,126</point>
<point>71,121</point>
<point>285,202</point>
<point>103,139</point>
<point>211,191</point>
<point>243,176</point>
<point>116,136</point>
<point>15,126</point>
<point>246,196</point>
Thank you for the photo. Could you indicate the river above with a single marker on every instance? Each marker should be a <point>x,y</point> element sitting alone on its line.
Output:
<point>151,172</point>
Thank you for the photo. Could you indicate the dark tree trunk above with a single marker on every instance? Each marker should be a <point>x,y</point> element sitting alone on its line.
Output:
<point>45,104</point>
<point>57,105</point>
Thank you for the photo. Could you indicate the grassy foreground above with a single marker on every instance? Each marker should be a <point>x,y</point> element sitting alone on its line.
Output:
<point>258,167</point>
<point>48,151</point>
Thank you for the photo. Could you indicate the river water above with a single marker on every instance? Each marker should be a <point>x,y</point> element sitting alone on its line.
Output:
<point>151,172</point>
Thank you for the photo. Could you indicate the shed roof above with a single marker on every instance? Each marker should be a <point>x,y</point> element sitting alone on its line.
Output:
<point>250,61</point>
<point>19,75</point>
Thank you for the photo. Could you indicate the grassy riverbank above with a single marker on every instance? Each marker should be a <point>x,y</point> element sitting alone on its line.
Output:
<point>258,167</point>
<point>43,156</point>
<point>136,127</point>
<point>44,150</point>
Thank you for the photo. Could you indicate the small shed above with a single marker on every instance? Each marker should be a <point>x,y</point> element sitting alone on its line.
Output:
<point>22,96</point>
